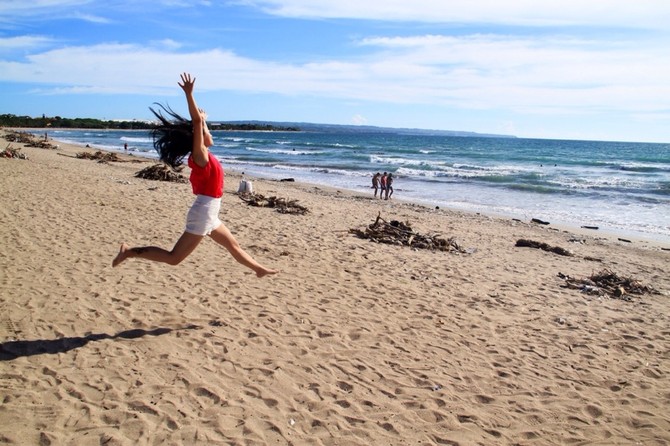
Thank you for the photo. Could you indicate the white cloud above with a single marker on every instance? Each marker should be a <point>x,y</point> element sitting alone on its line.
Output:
<point>538,75</point>
<point>22,7</point>
<point>23,42</point>
<point>167,44</point>
<point>507,128</point>
<point>14,12</point>
<point>90,18</point>
<point>91,11</point>
<point>405,42</point>
<point>641,13</point>
<point>359,120</point>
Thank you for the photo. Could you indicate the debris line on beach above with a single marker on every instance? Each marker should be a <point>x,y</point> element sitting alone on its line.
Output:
<point>103,157</point>
<point>398,233</point>
<point>29,140</point>
<point>608,283</point>
<point>281,205</point>
<point>11,152</point>
<point>543,246</point>
<point>161,172</point>
<point>99,156</point>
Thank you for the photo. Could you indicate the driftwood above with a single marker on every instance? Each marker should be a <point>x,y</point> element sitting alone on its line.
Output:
<point>398,233</point>
<point>608,283</point>
<point>41,144</point>
<point>100,156</point>
<point>543,246</point>
<point>29,140</point>
<point>11,152</point>
<point>20,137</point>
<point>281,205</point>
<point>160,172</point>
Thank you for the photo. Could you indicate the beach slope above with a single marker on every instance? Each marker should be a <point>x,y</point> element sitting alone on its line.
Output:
<point>353,343</point>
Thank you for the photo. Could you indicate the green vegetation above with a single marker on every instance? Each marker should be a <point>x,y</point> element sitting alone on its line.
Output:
<point>8,120</point>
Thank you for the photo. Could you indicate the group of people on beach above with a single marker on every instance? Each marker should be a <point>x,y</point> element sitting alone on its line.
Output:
<point>383,183</point>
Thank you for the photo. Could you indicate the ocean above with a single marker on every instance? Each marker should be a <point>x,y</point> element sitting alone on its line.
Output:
<point>619,187</point>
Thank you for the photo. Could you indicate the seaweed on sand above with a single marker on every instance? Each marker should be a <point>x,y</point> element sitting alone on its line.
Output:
<point>161,172</point>
<point>398,233</point>
<point>608,283</point>
<point>101,157</point>
<point>281,205</point>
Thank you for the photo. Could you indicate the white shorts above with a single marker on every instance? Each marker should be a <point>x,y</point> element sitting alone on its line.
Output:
<point>203,217</point>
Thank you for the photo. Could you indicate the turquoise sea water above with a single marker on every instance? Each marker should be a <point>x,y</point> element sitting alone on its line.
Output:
<point>622,187</point>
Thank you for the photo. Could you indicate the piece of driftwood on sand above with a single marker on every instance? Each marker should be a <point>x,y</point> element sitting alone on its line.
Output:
<point>161,172</point>
<point>608,283</point>
<point>281,205</point>
<point>11,152</point>
<point>524,243</point>
<point>398,233</point>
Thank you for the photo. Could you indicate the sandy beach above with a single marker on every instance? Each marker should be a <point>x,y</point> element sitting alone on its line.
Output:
<point>353,343</point>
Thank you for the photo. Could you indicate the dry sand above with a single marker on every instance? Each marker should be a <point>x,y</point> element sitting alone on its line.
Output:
<point>353,343</point>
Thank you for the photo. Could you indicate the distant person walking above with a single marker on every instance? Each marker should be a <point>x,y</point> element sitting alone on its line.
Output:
<point>375,182</point>
<point>382,185</point>
<point>389,186</point>
<point>174,140</point>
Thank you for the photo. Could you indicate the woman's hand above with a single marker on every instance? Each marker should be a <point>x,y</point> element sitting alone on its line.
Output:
<point>187,83</point>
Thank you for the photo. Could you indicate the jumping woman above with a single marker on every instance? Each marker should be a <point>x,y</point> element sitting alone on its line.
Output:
<point>174,139</point>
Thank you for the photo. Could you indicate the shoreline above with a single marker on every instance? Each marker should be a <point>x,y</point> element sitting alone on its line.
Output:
<point>657,241</point>
<point>353,342</point>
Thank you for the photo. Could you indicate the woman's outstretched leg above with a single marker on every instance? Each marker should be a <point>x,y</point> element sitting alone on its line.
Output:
<point>223,237</point>
<point>184,246</point>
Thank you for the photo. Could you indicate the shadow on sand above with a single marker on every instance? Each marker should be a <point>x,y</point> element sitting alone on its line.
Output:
<point>15,349</point>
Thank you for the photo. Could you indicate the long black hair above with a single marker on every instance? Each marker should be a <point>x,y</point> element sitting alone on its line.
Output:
<point>173,137</point>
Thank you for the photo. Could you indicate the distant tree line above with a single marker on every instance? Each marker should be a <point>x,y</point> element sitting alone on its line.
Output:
<point>9,120</point>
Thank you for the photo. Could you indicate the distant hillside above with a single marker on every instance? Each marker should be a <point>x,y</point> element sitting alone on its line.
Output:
<point>9,120</point>
<point>338,128</point>
<point>251,126</point>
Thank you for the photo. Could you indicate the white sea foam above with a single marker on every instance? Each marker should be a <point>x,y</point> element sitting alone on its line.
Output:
<point>570,182</point>
<point>285,152</point>
<point>137,140</point>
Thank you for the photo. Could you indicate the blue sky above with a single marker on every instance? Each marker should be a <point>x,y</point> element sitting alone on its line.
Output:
<point>567,69</point>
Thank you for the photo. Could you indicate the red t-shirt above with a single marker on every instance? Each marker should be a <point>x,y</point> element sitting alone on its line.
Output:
<point>207,180</point>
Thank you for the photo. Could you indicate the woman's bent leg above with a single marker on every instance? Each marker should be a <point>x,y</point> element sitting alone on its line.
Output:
<point>223,237</point>
<point>184,246</point>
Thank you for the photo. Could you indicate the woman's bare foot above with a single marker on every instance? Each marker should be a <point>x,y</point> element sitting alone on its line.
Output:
<point>123,254</point>
<point>263,271</point>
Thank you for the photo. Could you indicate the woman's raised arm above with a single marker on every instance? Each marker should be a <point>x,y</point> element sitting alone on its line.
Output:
<point>199,150</point>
